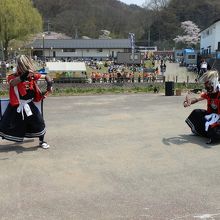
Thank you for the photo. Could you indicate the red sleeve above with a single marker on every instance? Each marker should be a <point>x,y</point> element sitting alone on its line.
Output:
<point>10,77</point>
<point>204,95</point>
<point>37,76</point>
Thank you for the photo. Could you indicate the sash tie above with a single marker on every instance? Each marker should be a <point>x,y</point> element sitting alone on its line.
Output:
<point>23,106</point>
<point>211,119</point>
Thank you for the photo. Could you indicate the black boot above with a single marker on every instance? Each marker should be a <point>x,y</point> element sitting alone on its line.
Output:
<point>210,141</point>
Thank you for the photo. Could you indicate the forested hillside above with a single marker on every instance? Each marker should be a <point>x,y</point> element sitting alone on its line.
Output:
<point>88,17</point>
<point>157,23</point>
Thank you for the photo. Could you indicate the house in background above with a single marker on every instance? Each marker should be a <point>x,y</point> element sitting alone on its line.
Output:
<point>210,40</point>
<point>210,44</point>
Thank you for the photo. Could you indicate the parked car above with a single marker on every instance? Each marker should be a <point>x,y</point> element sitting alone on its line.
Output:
<point>192,68</point>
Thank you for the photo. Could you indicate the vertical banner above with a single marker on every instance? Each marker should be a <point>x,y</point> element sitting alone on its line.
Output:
<point>132,40</point>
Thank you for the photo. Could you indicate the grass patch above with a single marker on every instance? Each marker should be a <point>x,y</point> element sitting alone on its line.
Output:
<point>3,93</point>
<point>104,90</point>
<point>120,90</point>
<point>68,91</point>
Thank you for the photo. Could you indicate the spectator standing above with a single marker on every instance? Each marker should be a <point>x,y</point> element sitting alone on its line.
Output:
<point>203,66</point>
<point>139,77</point>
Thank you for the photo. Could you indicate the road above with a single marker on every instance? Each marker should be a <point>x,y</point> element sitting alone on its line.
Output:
<point>173,70</point>
<point>129,157</point>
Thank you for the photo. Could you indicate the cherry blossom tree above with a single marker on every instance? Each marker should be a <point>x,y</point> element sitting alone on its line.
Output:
<point>191,34</point>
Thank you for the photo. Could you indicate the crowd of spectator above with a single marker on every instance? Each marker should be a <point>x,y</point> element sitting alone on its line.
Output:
<point>108,71</point>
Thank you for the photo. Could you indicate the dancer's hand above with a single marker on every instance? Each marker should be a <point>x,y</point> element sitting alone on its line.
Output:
<point>31,73</point>
<point>186,104</point>
<point>187,101</point>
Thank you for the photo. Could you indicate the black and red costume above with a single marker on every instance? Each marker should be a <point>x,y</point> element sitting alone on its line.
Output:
<point>206,123</point>
<point>22,118</point>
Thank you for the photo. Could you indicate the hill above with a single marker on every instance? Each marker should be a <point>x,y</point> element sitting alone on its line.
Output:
<point>156,24</point>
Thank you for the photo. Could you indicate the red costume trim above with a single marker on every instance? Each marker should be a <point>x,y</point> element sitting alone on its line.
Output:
<point>209,100</point>
<point>22,89</point>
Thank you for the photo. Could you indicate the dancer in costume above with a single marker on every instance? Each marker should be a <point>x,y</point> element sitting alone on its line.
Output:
<point>202,122</point>
<point>22,118</point>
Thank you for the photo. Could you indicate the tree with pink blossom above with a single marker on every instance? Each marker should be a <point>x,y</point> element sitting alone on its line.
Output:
<point>190,35</point>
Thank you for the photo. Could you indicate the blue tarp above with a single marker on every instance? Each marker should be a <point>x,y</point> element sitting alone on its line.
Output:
<point>42,71</point>
<point>188,50</point>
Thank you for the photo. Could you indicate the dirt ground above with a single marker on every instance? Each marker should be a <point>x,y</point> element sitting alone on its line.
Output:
<point>112,157</point>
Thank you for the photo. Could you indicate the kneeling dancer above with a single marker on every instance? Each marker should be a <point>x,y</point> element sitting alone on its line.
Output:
<point>202,122</point>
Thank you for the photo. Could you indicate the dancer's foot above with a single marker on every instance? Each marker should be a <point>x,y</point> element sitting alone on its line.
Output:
<point>210,141</point>
<point>44,145</point>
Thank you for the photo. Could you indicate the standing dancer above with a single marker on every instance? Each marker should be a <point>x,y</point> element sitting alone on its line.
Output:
<point>22,118</point>
<point>202,122</point>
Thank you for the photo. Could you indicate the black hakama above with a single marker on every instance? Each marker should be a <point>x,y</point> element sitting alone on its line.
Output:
<point>196,122</point>
<point>15,127</point>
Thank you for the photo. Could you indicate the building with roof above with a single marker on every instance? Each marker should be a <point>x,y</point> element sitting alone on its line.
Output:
<point>210,39</point>
<point>210,45</point>
<point>79,48</point>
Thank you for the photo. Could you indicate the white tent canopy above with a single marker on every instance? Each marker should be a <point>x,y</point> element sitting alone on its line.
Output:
<point>66,66</point>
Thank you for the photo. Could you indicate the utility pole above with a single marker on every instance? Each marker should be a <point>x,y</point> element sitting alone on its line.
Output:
<point>43,38</point>
<point>76,33</point>
<point>148,37</point>
<point>2,49</point>
<point>48,26</point>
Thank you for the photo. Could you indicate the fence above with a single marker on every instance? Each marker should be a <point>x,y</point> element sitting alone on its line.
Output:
<point>159,80</point>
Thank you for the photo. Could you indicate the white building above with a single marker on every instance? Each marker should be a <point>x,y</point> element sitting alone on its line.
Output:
<point>79,48</point>
<point>210,39</point>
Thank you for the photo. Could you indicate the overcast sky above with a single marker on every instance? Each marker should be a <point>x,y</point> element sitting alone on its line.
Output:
<point>136,2</point>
